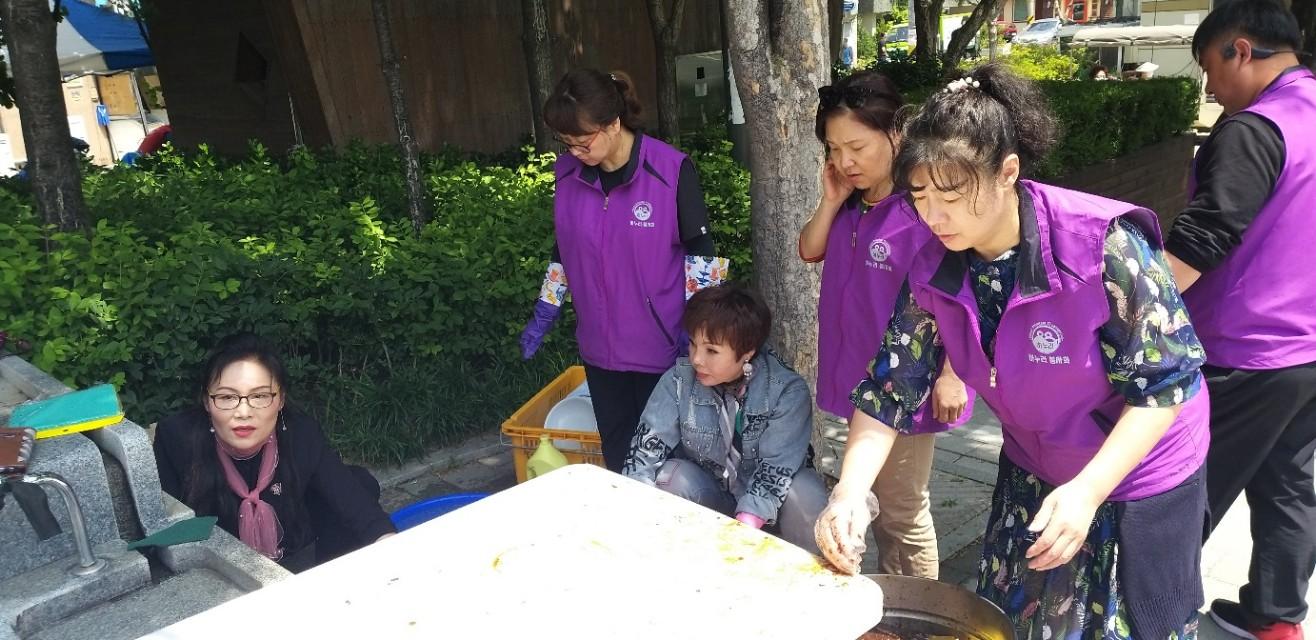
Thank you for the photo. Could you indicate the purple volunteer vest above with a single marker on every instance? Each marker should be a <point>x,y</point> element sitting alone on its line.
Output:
<point>623,259</point>
<point>1257,309</point>
<point>1048,383</point>
<point>868,256</point>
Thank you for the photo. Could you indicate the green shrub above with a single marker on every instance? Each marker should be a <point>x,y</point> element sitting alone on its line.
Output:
<point>908,74</point>
<point>399,341</point>
<point>1043,62</point>
<point>726,192</point>
<point>866,47</point>
<point>1104,120</point>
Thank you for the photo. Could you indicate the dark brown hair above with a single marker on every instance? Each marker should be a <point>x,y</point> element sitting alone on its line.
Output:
<point>236,348</point>
<point>871,97</point>
<point>586,100</point>
<point>730,314</point>
<point>965,134</point>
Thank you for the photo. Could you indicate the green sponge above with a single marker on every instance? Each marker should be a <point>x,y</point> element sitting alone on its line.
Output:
<point>190,530</point>
<point>90,408</point>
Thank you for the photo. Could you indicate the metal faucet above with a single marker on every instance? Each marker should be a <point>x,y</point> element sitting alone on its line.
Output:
<point>88,563</point>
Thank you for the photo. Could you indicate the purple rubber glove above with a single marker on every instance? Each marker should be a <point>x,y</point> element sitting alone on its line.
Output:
<point>750,519</point>
<point>545,316</point>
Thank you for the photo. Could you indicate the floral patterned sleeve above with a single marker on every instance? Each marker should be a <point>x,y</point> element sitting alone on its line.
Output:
<point>900,377</point>
<point>1152,353</point>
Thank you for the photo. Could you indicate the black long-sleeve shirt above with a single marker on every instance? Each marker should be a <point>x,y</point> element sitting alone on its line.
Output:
<point>1236,171</point>
<point>324,489</point>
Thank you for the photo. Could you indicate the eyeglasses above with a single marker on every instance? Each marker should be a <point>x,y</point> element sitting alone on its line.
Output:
<point>579,148</point>
<point>229,401</point>
<point>832,95</point>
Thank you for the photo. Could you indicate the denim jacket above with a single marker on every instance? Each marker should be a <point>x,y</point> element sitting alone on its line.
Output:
<point>682,420</point>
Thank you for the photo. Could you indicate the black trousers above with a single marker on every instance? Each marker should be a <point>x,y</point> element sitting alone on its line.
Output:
<point>1263,435</point>
<point>619,398</point>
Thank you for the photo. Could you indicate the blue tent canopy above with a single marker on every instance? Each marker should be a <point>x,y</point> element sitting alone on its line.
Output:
<point>95,40</point>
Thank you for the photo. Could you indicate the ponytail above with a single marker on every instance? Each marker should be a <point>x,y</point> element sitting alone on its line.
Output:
<point>966,130</point>
<point>632,115</point>
<point>586,100</point>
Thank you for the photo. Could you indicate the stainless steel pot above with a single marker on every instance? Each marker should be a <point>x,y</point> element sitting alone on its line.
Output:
<point>922,606</point>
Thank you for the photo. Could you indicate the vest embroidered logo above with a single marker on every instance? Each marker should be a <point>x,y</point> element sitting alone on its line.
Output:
<point>1046,337</point>
<point>642,211</point>
<point>880,250</point>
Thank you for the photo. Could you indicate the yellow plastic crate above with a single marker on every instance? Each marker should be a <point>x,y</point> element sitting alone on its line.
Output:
<point>521,431</point>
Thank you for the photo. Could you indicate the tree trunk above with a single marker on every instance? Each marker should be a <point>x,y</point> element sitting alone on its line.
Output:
<point>535,39</point>
<point>927,20</point>
<point>388,56</point>
<point>1305,11</point>
<point>780,57</point>
<point>666,27</point>
<point>52,163</point>
<point>960,39</point>
<point>835,14</point>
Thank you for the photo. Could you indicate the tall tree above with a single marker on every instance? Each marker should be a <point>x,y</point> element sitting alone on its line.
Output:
<point>29,27</point>
<point>388,56</point>
<point>666,26</point>
<point>537,42</point>
<point>961,37</point>
<point>779,53</point>
<point>835,14</point>
<point>927,20</point>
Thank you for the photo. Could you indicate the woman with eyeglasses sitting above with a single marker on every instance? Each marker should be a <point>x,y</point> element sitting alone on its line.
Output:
<point>632,240</point>
<point>263,468</point>
<point>867,234</point>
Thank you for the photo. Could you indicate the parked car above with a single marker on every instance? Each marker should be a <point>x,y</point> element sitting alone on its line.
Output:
<point>1040,32</point>
<point>1007,30</point>
<point>900,38</point>
<point>1066,33</point>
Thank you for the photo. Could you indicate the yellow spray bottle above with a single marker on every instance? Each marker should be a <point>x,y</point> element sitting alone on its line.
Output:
<point>546,458</point>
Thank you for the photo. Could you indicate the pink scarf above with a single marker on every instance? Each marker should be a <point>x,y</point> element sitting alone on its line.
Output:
<point>258,524</point>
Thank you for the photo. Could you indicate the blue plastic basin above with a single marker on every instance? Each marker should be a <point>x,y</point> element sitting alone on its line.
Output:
<point>430,508</point>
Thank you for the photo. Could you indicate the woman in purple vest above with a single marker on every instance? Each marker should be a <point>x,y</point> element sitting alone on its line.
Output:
<point>1058,309</point>
<point>868,235</point>
<point>632,238</point>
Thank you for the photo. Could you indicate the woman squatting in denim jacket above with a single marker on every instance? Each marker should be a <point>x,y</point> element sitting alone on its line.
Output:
<point>728,427</point>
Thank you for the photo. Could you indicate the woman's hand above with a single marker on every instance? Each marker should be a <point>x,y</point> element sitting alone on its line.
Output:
<point>836,188</point>
<point>1064,521</point>
<point>813,237</point>
<point>949,398</point>
<point>841,526</point>
<point>1066,515</point>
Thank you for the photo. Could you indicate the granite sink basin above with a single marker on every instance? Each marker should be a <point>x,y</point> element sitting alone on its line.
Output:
<point>132,596</point>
